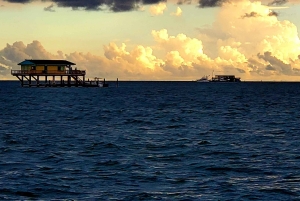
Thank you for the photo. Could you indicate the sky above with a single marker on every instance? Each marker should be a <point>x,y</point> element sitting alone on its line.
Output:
<point>155,39</point>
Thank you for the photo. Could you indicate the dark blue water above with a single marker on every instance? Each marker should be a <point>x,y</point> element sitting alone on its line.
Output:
<point>151,141</point>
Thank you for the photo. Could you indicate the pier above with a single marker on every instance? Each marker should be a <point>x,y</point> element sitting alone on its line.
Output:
<point>54,73</point>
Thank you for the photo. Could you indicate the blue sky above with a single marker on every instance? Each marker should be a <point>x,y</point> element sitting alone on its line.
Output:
<point>156,40</point>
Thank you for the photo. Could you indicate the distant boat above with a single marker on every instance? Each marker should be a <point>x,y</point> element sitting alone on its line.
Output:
<point>203,79</point>
<point>225,78</point>
<point>99,82</point>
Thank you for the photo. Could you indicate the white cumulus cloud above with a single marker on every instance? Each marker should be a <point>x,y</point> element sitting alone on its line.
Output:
<point>158,9</point>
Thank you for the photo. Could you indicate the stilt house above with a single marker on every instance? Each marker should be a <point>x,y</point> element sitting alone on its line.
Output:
<point>54,73</point>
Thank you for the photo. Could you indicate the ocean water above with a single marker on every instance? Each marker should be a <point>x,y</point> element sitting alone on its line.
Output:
<point>151,141</point>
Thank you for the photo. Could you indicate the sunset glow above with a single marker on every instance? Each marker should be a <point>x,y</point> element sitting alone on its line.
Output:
<point>156,40</point>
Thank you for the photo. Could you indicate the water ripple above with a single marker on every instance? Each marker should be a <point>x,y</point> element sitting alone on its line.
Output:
<point>150,141</point>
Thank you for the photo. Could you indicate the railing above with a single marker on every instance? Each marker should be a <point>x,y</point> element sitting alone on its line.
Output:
<point>75,72</point>
<point>14,72</point>
<point>48,72</point>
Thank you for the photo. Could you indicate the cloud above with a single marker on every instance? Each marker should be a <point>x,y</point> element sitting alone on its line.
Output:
<point>189,48</point>
<point>182,58</point>
<point>247,40</point>
<point>180,2</point>
<point>138,64</point>
<point>4,69</point>
<point>5,66</point>
<point>178,12</point>
<point>277,2</point>
<point>252,14</point>
<point>18,51</point>
<point>255,14</point>
<point>218,3</point>
<point>254,47</point>
<point>276,64</point>
<point>140,56</point>
<point>13,54</point>
<point>211,3</point>
<point>279,37</point>
<point>114,5</point>
<point>269,67</point>
<point>18,1</point>
<point>273,13</point>
<point>49,8</point>
<point>158,9</point>
<point>128,5</point>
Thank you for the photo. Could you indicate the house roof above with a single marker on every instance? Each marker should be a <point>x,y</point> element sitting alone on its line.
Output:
<point>46,62</point>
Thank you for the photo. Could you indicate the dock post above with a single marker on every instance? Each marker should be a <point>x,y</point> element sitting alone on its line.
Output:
<point>29,80</point>
<point>69,81</point>
<point>22,82</point>
<point>117,82</point>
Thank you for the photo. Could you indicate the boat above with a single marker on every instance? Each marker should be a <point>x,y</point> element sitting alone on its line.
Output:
<point>100,82</point>
<point>203,79</point>
<point>225,78</point>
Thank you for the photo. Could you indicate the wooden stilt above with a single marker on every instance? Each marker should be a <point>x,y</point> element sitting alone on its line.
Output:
<point>29,80</point>
<point>69,81</point>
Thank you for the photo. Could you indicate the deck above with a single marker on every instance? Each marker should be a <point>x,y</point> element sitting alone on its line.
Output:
<point>48,73</point>
<point>76,78</point>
